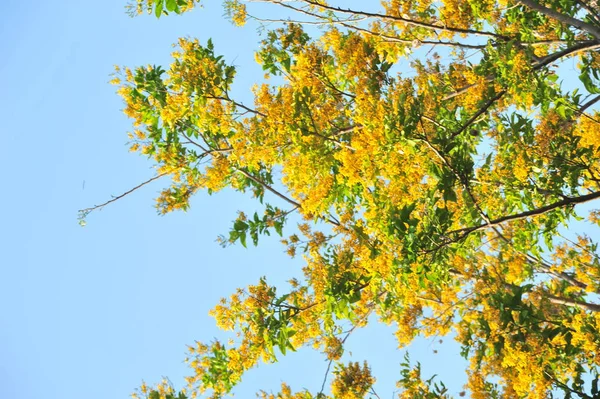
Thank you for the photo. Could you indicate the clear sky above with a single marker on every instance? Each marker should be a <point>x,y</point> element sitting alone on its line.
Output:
<point>90,312</point>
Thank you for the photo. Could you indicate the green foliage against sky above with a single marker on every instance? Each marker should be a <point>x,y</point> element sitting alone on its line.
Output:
<point>443,169</point>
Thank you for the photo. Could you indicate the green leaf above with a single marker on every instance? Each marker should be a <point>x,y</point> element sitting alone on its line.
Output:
<point>278,228</point>
<point>587,82</point>
<point>354,296</point>
<point>282,343</point>
<point>286,63</point>
<point>449,195</point>
<point>171,5</point>
<point>240,225</point>
<point>281,299</point>
<point>158,8</point>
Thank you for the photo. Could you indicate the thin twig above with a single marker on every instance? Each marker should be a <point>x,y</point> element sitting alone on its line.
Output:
<point>267,187</point>
<point>86,211</point>
<point>384,17</point>
<point>477,114</point>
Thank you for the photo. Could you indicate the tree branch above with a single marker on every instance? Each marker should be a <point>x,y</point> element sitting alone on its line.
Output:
<point>584,45</point>
<point>383,17</point>
<point>592,307</point>
<point>84,212</point>
<point>523,215</point>
<point>267,187</point>
<point>545,61</point>
<point>394,39</point>
<point>565,19</point>
<point>480,112</point>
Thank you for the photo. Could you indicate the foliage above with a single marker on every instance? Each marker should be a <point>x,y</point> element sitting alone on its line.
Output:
<point>438,159</point>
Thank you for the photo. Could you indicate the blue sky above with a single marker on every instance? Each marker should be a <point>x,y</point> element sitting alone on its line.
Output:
<point>90,312</point>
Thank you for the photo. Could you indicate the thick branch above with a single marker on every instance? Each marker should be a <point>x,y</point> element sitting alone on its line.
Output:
<point>592,307</point>
<point>531,259</point>
<point>565,19</point>
<point>588,104</point>
<point>593,12</point>
<point>534,212</point>
<point>577,47</point>
<point>545,61</point>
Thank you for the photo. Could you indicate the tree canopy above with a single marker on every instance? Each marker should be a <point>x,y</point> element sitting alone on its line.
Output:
<point>433,162</point>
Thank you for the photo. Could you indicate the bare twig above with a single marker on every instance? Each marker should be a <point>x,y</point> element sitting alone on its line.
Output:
<point>86,211</point>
